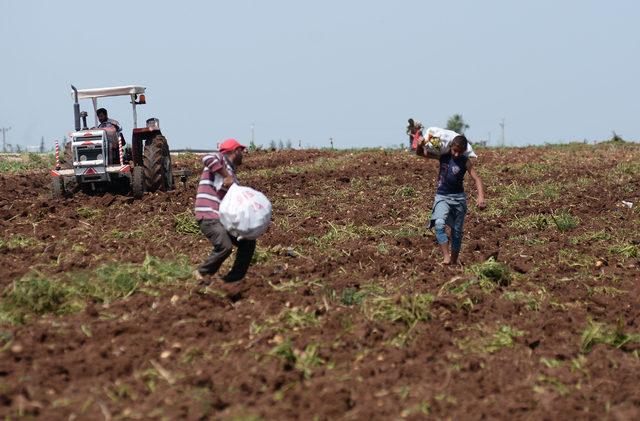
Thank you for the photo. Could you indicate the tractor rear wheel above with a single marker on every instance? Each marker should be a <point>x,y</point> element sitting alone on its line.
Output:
<point>57,188</point>
<point>137,181</point>
<point>157,165</point>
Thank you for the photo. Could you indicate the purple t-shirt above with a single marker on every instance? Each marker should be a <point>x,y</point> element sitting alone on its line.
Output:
<point>451,176</point>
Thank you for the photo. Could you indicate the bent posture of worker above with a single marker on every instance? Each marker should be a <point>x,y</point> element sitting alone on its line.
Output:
<point>217,176</point>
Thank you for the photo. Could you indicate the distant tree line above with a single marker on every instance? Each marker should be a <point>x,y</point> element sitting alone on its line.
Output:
<point>280,145</point>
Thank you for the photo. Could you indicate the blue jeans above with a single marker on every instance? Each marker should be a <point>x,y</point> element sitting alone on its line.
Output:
<point>449,209</point>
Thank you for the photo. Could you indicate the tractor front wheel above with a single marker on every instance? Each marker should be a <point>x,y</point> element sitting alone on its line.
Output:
<point>57,188</point>
<point>66,161</point>
<point>137,182</point>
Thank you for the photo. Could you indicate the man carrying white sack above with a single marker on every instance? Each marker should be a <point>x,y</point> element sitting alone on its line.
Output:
<point>217,176</point>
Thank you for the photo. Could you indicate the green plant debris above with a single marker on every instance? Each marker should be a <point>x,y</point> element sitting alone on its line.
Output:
<point>284,350</point>
<point>565,221</point>
<point>573,258</point>
<point>79,248</point>
<point>550,190</point>
<point>18,241</point>
<point>601,333</point>
<point>297,318</point>
<point>294,283</point>
<point>491,341</point>
<point>556,384</point>
<point>260,255</point>
<point>185,223</point>
<point>459,286</point>
<point>36,295</point>
<point>308,360</point>
<point>628,251</point>
<point>529,239</point>
<point>6,339</point>
<point>531,222</point>
<point>304,361</point>
<point>607,290</point>
<point>516,193</point>
<point>591,236</point>
<point>628,168</point>
<point>89,213</point>
<point>352,296</point>
<point>503,338</point>
<point>405,191</point>
<point>115,281</point>
<point>423,408</point>
<point>383,248</point>
<point>550,362</point>
<point>407,310</point>
<point>529,299</point>
<point>493,271</point>
<point>340,233</point>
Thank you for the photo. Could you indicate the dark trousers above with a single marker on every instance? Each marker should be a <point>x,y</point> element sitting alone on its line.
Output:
<point>222,245</point>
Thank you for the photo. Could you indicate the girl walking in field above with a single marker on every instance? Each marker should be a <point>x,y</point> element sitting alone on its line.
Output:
<point>450,203</point>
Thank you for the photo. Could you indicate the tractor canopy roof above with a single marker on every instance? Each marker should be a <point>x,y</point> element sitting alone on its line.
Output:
<point>113,91</point>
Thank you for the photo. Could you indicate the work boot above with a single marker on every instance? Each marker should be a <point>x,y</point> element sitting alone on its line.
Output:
<point>232,277</point>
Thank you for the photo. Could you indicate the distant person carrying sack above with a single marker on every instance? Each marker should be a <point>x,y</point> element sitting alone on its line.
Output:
<point>414,130</point>
<point>217,176</point>
<point>450,203</point>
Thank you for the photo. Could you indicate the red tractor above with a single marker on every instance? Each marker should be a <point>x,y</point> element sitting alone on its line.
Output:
<point>96,157</point>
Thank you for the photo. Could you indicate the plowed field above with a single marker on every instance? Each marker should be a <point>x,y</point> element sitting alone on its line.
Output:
<point>346,312</point>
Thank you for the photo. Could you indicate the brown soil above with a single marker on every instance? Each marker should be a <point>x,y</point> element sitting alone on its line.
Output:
<point>208,352</point>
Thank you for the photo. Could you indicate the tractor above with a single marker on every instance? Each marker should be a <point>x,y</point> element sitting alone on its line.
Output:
<point>96,158</point>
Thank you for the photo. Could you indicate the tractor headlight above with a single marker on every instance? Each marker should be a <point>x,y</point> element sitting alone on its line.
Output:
<point>83,158</point>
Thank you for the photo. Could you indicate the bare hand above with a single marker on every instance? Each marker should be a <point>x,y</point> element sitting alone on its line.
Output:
<point>227,182</point>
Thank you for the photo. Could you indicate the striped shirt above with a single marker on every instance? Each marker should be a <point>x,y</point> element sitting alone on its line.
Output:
<point>210,189</point>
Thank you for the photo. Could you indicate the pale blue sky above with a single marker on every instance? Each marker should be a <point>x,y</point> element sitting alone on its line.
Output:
<point>351,70</point>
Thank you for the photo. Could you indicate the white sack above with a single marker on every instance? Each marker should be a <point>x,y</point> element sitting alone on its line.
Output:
<point>438,142</point>
<point>245,212</point>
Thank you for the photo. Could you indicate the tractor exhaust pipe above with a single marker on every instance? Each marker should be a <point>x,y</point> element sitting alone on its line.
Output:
<point>76,108</point>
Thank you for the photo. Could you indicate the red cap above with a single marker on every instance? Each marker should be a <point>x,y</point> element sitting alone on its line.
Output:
<point>230,145</point>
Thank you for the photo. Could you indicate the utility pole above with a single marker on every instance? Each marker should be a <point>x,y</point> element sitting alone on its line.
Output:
<point>253,135</point>
<point>4,138</point>
<point>502,140</point>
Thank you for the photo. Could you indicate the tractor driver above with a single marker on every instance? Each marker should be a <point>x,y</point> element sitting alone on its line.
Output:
<point>105,121</point>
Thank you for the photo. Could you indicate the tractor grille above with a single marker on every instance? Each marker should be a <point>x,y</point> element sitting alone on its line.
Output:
<point>89,153</point>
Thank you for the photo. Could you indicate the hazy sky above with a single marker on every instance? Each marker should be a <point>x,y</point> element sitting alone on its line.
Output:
<point>351,70</point>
